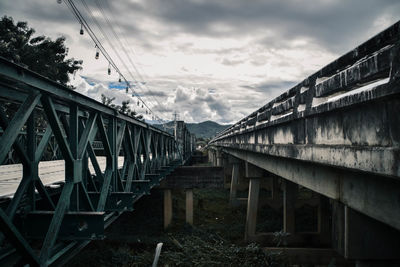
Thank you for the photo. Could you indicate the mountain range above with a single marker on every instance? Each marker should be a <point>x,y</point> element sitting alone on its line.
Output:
<point>205,129</point>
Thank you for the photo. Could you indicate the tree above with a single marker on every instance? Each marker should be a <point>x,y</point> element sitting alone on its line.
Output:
<point>40,54</point>
<point>124,108</point>
<point>106,100</point>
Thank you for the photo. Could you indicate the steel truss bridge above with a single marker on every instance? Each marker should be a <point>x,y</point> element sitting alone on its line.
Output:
<point>106,162</point>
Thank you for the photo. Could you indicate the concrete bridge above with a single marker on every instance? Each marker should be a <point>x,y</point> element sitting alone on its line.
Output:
<point>336,133</point>
<point>77,165</point>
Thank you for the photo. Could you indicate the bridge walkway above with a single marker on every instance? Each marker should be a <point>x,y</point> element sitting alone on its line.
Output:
<point>51,173</point>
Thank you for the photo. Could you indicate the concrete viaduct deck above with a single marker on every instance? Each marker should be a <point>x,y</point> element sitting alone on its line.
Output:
<point>336,133</point>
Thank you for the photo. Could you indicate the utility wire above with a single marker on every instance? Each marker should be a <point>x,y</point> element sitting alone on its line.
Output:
<point>73,8</point>
<point>110,25</point>
<point>90,13</point>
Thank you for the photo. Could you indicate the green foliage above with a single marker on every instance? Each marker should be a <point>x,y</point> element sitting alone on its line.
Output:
<point>39,54</point>
<point>107,100</point>
<point>124,108</point>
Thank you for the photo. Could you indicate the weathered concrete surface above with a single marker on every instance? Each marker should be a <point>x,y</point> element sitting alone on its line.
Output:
<point>361,137</point>
<point>252,208</point>
<point>336,132</point>
<point>195,177</point>
<point>375,196</point>
<point>234,183</point>
<point>289,200</point>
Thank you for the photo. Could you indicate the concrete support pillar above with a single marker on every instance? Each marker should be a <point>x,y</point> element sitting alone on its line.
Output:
<point>214,163</point>
<point>289,200</point>
<point>219,158</point>
<point>252,207</point>
<point>369,239</point>
<point>189,206</point>
<point>234,183</point>
<point>227,171</point>
<point>275,189</point>
<point>167,208</point>
<point>364,239</point>
<point>324,220</point>
<point>338,226</point>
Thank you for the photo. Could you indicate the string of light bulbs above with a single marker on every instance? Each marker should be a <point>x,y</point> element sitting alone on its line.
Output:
<point>110,25</point>
<point>100,49</point>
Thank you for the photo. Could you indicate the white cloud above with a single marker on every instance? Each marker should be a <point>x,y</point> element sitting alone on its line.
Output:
<point>210,60</point>
<point>95,90</point>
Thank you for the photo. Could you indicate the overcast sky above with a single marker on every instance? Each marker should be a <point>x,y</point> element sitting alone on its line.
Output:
<point>208,59</point>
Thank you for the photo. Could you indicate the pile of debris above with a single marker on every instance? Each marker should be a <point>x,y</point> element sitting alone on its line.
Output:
<point>196,247</point>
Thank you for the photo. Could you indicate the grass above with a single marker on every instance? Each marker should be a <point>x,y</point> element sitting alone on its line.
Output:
<point>215,240</point>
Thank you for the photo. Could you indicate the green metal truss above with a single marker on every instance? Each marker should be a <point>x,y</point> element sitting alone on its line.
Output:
<point>86,203</point>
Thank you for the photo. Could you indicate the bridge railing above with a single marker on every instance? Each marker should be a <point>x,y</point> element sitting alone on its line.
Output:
<point>360,75</point>
<point>86,202</point>
<point>368,73</point>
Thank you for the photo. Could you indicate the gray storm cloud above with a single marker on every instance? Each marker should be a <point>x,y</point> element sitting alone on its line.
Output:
<point>210,60</point>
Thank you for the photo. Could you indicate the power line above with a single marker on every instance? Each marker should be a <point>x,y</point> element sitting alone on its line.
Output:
<point>102,10</point>
<point>113,47</point>
<point>73,8</point>
<point>90,13</point>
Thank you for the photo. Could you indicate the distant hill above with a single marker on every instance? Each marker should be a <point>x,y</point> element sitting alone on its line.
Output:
<point>205,129</point>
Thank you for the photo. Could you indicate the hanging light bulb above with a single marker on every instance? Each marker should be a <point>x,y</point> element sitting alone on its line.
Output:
<point>138,103</point>
<point>97,53</point>
<point>81,31</point>
<point>126,89</point>
<point>147,112</point>
<point>119,80</point>
<point>109,69</point>
<point>142,105</point>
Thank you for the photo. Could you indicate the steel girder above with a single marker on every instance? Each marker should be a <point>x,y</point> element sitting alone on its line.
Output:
<point>86,202</point>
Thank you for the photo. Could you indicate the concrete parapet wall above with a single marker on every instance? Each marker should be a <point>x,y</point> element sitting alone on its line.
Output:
<point>344,115</point>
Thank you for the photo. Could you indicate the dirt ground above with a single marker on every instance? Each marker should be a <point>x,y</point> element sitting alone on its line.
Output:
<point>215,240</point>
